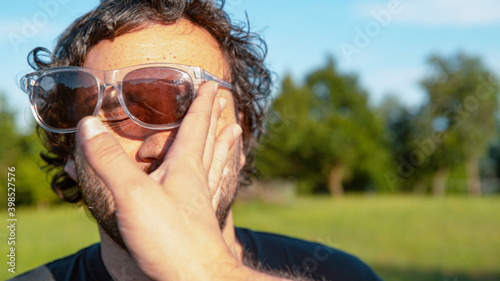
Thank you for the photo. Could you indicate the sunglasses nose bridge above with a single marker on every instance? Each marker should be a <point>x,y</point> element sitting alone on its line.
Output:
<point>110,97</point>
<point>110,102</point>
<point>110,90</point>
<point>109,80</point>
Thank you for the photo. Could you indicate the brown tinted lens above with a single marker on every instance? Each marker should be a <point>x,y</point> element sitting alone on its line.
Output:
<point>63,98</point>
<point>158,95</point>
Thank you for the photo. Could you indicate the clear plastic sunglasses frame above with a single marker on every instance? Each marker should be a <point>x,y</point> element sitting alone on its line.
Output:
<point>114,78</point>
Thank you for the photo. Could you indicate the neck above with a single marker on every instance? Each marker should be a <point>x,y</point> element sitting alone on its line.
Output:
<point>121,265</point>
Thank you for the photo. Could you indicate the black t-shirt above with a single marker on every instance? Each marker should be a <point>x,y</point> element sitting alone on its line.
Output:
<point>274,252</point>
<point>277,252</point>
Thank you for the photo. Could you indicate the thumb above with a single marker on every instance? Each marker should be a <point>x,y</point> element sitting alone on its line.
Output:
<point>108,159</point>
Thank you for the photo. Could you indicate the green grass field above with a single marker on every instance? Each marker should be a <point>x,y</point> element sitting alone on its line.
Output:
<point>402,238</point>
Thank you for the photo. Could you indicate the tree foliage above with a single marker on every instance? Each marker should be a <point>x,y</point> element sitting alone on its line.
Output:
<point>401,130</point>
<point>324,135</point>
<point>462,106</point>
<point>452,131</point>
<point>22,152</point>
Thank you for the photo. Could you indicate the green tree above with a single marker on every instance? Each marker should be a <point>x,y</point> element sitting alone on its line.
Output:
<point>10,136</point>
<point>401,128</point>
<point>22,152</point>
<point>324,135</point>
<point>458,122</point>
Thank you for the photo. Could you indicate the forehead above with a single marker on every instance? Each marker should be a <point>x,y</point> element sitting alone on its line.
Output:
<point>181,42</point>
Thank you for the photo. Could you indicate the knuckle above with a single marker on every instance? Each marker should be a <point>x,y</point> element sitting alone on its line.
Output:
<point>217,165</point>
<point>134,191</point>
<point>200,116</point>
<point>194,163</point>
<point>204,118</point>
<point>185,163</point>
<point>135,187</point>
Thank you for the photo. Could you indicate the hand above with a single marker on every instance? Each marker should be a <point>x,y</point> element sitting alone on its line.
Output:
<point>167,218</point>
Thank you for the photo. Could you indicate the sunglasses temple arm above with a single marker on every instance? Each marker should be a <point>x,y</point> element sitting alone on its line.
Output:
<point>207,76</point>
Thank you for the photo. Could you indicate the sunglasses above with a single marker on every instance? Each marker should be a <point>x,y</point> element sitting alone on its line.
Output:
<point>155,96</point>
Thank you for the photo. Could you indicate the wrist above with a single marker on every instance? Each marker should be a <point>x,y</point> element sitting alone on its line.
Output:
<point>221,265</point>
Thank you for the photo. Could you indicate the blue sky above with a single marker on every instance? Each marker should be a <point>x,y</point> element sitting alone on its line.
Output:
<point>386,43</point>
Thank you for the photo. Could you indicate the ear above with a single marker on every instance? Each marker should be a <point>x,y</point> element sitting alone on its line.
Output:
<point>70,168</point>
<point>240,117</point>
<point>243,158</point>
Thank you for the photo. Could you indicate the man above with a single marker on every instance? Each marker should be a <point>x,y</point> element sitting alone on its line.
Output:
<point>159,166</point>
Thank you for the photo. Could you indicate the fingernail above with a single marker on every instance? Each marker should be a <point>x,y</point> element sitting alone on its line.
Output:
<point>92,127</point>
<point>222,102</point>
<point>216,87</point>
<point>237,131</point>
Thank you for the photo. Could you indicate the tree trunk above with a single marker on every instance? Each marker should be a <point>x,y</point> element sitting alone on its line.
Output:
<point>420,187</point>
<point>473,178</point>
<point>439,182</point>
<point>335,180</point>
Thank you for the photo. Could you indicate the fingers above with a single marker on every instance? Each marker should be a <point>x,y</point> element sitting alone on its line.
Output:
<point>192,135</point>
<point>218,106</point>
<point>108,159</point>
<point>197,147</point>
<point>223,145</point>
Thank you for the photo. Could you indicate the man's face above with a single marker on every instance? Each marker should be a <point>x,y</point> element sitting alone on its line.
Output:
<point>181,43</point>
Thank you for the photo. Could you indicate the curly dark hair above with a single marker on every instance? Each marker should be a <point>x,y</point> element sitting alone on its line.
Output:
<point>243,50</point>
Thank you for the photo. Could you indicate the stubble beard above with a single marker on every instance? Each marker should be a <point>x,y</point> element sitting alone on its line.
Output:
<point>99,200</point>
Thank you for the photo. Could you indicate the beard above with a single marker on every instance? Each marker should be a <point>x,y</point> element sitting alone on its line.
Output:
<point>100,202</point>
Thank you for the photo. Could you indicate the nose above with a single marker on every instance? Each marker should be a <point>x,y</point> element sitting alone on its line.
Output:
<point>155,146</point>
